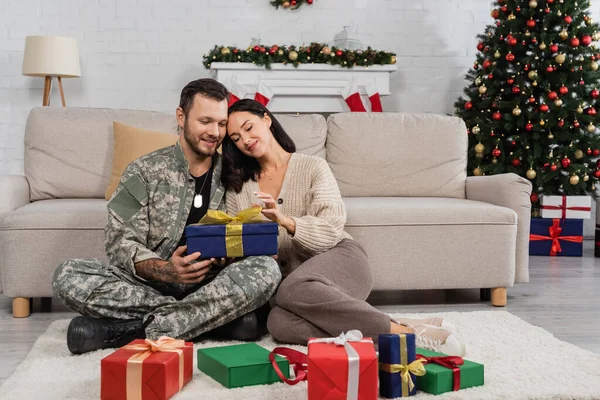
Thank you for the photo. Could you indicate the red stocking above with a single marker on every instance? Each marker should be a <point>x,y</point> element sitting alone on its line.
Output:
<point>264,94</point>
<point>352,97</point>
<point>374,97</point>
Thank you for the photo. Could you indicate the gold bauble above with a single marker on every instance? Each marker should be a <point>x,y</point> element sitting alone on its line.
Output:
<point>542,122</point>
<point>494,160</point>
<point>393,60</point>
<point>593,65</point>
<point>511,17</point>
<point>591,128</point>
<point>279,52</point>
<point>543,46</point>
<point>559,13</point>
<point>286,4</point>
<point>293,55</point>
<point>586,178</point>
<point>225,51</point>
<point>550,136</point>
<point>589,21</point>
<point>574,180</point>
<point>478,81</point>
<point>560,58</point>
<point>578,154</point>
<point>533,75</point>
<point>558,102</point>
<point>534,83</point>
<point>482,89</point>
<point>579,110</point>
<point>497,54</point>
<point>564,35</point>
<point>479,148</point>
<point>326,50</point>
<point>477,171</point>
<point>476,130</point>
<point>531,174</point>
<point>527,33</point>
<point>479,155</point>
<point>516,111</point>
<point>533,4</point>
<point>596,36</point>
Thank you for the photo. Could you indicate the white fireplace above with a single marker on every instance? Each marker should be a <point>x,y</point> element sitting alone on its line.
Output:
<point>314,88</point>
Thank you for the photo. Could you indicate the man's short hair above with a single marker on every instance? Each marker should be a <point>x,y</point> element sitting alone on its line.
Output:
<point>206,87</point>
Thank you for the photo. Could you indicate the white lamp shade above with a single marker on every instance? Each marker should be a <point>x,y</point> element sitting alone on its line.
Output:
<point>51,56</point>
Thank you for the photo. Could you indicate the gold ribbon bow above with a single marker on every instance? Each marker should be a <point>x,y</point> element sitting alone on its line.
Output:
<point>146,349</point>
<point>233,229</point>
<point>416,367</point>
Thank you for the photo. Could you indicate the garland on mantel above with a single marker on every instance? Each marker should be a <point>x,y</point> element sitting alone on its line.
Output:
<point>291,4</point>
<point>316,53</point>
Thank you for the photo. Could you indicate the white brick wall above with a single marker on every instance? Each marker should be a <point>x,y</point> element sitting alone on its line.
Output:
<point>138,54</point>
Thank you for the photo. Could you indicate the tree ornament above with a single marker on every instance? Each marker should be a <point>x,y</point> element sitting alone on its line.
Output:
<point>595,93</point>
<point>516,111</point>
<point>576,124</point>
<point>516,90</point>
<point>482,89</point>
<point>565,162</point>
<point>589,21</point>
<point>531,100</point>
<point>586,40</point>
<point>529,126</point>
<point>568,19</point>
<point>495,13</point>
<point>596,153</point>
<point>497,54</point>
<point>574,180</point>
<point>326,50</point>
<point>515,162</point>
<point>480,46</point>
<point>512,41</point>
<point>550,136</point>
<point>579,110</point>
<point>586,178</point>
<point>510,57</point>
<point>597,173</point>
<point>468,105</point>
<point>393,60</point>
<point>280,52</point>
<point>578,154</point>
<point>339,53</point>
<point>544,108</point>
<point>564,35</point>
<point>554,48</point>
<point>533,75</point>
<point>553,167</point>
<point>510,81</point>
<point>476,129</point>
<point>531,174</point>
<point>542,122</point>
<point>486,64</point>
<point>591,111</point>
<point>542,46</point>
<point>591,128</point>
<point>496,116</point>
<point>552,95</point>
<point>561,122</point>
<point>534,198</point>
<point>533,4</point>
<point>574,42</point>
<point>225,51</point>
<point>549,69</point>
<point>256,48</point>
<point>531,23</point>
<point>594,66</point>
<point>293,55</point>
<point>563,89</point>
<point>286,4</point>
<point>496,152</point>
<point>479,148</point>
<point>511,17</point>
<point>477,171</point>
<point>560,58</point>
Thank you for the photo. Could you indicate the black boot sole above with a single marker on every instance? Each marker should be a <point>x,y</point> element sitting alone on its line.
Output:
<point>76,341</point>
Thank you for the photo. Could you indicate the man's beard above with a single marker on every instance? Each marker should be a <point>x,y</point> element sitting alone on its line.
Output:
<point>195,147</point>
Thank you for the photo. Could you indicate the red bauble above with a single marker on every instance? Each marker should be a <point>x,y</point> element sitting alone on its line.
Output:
<point>597,173</point>
<point>262,50</point>
<point>309,1</point>
<point>529,126</point>
<point>553,168</point>
<point>563,90</point>
<point>598,163</point>
<point>576,124</point>
<point>480,46</point>
<point>595,93</point>
<point>510,57</point>
<point>294,2</point>
<point>497,116</point>
<point>565,162</point>
<point>510,81</point>
<point>491,76</point>
<point>586,40</point>
<point>274,49</point>
<point>498,23</point>
<point>547,10</point>
<point>496,152</point>
<point>504,9</point>
<point>544,108</point>
<point>549,69</point>
<point>256,48</point>
<point>516,162</point>
<point>582,82</point>
<point>568,19</point>
<point>339,53</point>
<point>574,42</point>
<point>591,111</point>
<point>546,165</point>
<point>487,64</point>
<point>534,198</point>
<point>596,153</point>
<point>549,1</point>
<point>527,67</point>
<point>532,99</point>
<point>512,41</point>
<point>552,96</point>
<point>534,40</point>
<point>468,105</point>
<point>494,105</point>
<point>495,14</point>
<point>516,90</point>
<point>513,143</point>
<point>561,123</point>
<point>530,23</point>
<point>554,48</point>
<point>589,152</point>
<point>235,51</point>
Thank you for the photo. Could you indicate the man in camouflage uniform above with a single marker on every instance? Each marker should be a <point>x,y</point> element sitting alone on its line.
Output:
<point>151,287</point>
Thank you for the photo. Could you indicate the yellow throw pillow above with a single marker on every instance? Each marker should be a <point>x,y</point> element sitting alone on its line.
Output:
<point>130,144</point>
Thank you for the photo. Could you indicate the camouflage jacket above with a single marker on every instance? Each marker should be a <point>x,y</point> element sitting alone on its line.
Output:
<point>149,209</point>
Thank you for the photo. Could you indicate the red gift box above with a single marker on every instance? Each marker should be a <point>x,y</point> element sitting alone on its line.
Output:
<point>342,368</point>
<point>147,369</point>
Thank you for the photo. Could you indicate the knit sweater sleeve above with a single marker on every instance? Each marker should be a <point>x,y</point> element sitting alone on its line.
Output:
<point>231,199</point>
<point>323,226</point>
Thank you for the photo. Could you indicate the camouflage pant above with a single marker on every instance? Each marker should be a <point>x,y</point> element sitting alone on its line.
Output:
<point>95,289</point>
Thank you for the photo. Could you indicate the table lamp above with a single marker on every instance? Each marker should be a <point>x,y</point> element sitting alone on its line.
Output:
<point>50,57</point>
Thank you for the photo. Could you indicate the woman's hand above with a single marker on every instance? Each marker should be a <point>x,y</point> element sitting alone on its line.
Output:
<point>273,213</point>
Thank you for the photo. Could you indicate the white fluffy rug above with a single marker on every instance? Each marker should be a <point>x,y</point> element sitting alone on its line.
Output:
<point>521,362</point>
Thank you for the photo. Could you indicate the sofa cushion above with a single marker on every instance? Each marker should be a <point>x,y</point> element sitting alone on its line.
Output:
<point>57,214</point>
<point>130,144</point>
<point>398,155</point>
<point>69,151</point>
<point>394,211</point>
<point>308,132</point>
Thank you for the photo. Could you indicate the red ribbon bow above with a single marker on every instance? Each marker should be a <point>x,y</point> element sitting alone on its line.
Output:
<point>555,230</point>
<point>563,207</point>
<point>450,362</point>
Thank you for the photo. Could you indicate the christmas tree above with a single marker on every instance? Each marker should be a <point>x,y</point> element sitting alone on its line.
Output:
<point>532,98</point>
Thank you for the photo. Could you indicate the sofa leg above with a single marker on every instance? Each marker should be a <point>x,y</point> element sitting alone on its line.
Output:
<point>499,297</point>
<point>485,294</point>
<point>46,304</point>
<point>21,307</point>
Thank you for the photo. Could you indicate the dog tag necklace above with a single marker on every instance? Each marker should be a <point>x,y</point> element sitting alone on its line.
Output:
<point>198,196</point>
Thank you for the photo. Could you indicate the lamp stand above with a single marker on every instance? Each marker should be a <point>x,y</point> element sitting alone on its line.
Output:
<point>48,89</point>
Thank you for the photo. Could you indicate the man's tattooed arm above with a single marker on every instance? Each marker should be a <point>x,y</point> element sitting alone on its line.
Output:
<point>155,269</point>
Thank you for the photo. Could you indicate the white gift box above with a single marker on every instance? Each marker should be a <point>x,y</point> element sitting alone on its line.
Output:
<point>576,207</point>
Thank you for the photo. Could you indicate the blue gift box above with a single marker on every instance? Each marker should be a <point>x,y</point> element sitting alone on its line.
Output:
<point>396,350</point>
<point>556,237</point>
<point>256,239</point>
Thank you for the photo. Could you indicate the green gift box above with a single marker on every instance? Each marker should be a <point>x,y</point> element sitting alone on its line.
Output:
<point>241,365</point>
<point>439,379</point>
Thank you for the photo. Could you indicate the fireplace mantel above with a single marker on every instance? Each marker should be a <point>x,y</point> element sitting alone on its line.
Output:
<point>308,88</point>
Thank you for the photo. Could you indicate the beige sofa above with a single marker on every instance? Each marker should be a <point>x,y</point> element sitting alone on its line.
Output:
<point>423,223</point>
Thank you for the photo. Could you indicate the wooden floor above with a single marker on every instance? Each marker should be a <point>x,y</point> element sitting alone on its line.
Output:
<point>563,297</point>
